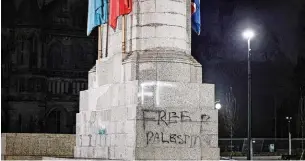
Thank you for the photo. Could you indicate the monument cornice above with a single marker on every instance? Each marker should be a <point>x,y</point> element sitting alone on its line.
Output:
<point>161,55</point>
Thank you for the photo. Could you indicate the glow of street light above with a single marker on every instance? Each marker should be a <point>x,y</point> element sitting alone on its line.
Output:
<point>218,106</point>
<point>248,34</point>
<point>288,118</point>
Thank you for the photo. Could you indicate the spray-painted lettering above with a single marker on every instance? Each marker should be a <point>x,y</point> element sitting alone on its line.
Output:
<point>162,138</point>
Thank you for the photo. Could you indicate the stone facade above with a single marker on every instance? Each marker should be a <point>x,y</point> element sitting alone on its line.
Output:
<point>152,105</point>
<point>46,56</point>
<point>28,146</point>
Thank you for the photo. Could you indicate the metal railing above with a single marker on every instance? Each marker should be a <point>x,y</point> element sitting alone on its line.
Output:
<point>262,145</point>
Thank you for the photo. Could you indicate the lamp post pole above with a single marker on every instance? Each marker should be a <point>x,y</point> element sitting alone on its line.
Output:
<point>248,34</point>
<point>289,134</point>
<point>250,149</point>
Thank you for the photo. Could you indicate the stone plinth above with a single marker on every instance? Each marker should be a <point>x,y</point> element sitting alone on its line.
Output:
<point>34,146</point>
<point>152,105</point>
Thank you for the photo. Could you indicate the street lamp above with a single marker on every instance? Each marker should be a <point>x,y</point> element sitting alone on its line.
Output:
<point>217,105</point>
<point>249,34</point>
<point>289,133</point>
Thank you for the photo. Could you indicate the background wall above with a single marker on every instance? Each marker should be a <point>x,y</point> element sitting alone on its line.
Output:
<point>27,146</point>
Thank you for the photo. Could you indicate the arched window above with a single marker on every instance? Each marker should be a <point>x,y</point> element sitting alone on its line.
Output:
<point>31,85</point>
<point>57,120</point>
<point>74,88</point>
<point>53,122</point>
<point>21,85</point>
<point>33,52</point>
<point>20,52</point>
<point>55,56</point>
<point>38,85</point>
<point>20,122</point>
<point>66,87</point>
<point>3,120</point>
<point>49,86</point>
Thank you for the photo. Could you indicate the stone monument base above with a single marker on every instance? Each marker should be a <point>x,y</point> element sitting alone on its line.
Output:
<point>144,114</point>
<point>152,105</point>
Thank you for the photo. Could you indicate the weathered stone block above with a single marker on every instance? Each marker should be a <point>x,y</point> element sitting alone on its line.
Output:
<point>129,70</point>
<point>199,74</point>
<point>90,151</point>
<point>92,117</point>
<point>117,152</point>
<point>158,43</point>
<point>131,89</point>
<point>131,112</point>
<point>101,152</point>
<point>92,83</point>
<point>177,72</point>
<point>3,144</point>
<point>101,98</point>
<point>83,101</point>
<point>22,146</point>
<point>115,95</point>
<point>210,128</point>
<point>122,95</point>
<point>207,95</point>
<point>85,140</point>
<point>130,127</point>
<point>155,19</point>
<point>170,32</point>
<point>111,127</point>
<point>78,140</point>
<point>103,140</point>
<point>120,128</point>
<point>118,140</point>
<point>177,153</point>
<point>78,118</point>
<point>43,148</point>
<point>148,71</point>
<point>130,153</point>
<point>210,154</point>
<point>143,31</point>
<point>119,113</point>
<point>214,141</point>
<point>92,139</point>
<point>171,7</point>
<point>211,112</point>
<point>144,6</point>
<point>77,151</point>
<point>131,140</point>
<point>147,153</point>
<point>84,152</point>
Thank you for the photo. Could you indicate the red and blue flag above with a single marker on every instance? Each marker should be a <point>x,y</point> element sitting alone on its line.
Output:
<point>196,21</point>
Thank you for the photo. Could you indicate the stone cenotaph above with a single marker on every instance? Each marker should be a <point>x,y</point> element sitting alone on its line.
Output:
<point>151,104</point>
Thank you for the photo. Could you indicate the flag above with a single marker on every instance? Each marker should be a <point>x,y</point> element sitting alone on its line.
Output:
<point>97,14</point>
<point>118,8</point>
<point>196,21</point>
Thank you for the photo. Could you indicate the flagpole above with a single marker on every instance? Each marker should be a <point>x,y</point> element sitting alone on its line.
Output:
<point>99,52</point>
<point>123,37</point>
<point>107,40</point>
<point>107,34</point>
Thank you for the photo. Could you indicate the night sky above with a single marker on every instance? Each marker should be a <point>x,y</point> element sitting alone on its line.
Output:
<point>276,56</point>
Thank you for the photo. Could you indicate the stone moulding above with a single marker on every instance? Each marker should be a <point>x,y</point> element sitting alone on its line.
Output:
<point>170,56</point>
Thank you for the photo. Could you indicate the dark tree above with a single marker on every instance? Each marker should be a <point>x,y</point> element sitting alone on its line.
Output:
<point>229,114</point>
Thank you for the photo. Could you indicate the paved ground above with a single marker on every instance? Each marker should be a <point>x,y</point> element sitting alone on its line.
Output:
<point>254,158</point>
